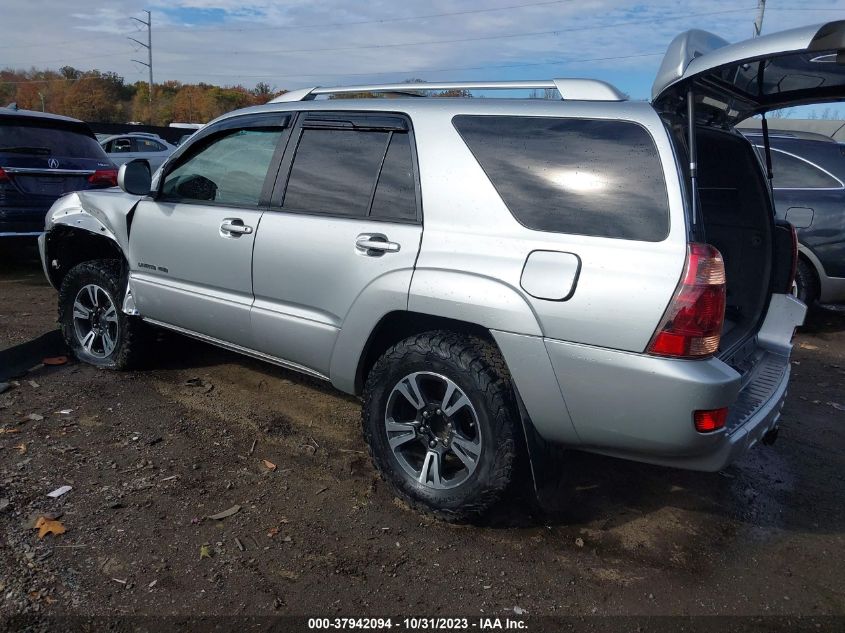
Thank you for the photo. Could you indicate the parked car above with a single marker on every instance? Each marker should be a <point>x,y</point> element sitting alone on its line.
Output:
<point>125,147</point>
<point>808,175</point>
<point>42,157</point>
<point>571,283</point>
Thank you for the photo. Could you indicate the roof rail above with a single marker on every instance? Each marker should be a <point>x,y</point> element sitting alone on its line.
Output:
<point>569,89</point>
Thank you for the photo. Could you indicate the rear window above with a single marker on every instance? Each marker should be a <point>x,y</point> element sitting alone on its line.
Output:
<point>578,176</point>
<point>790,172</point>
<point>43,139</point>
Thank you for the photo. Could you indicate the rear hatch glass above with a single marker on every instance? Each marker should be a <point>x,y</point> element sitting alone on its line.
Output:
<point>47,158</point>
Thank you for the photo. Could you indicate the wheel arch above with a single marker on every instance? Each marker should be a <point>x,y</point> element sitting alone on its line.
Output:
<point>67,246</point>
<point>400,324</point>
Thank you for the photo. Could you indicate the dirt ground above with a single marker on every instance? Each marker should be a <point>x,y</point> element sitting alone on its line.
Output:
<point>152,455</point>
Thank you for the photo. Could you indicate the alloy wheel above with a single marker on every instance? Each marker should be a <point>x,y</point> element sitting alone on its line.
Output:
<point>95,321</point>
<point>433,430</point>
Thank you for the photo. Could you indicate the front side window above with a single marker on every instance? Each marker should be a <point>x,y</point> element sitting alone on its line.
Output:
<point>592,177</point>
<point>231,169</point>
<point>790,172</point>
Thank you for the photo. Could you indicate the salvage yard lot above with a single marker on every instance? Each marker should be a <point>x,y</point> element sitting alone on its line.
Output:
<point>152,455</point>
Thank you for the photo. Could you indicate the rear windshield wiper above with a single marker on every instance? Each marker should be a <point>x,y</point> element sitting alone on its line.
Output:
<point>44,151</point>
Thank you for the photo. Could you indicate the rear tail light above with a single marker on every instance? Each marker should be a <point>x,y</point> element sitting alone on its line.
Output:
<point>710,420</point>
<point>104,178</point>
<point>692,324</point>
<point>4,177</point>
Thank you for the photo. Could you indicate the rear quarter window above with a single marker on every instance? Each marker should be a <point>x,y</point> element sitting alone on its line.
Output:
<point>580,176</point>
<point>41,138</point>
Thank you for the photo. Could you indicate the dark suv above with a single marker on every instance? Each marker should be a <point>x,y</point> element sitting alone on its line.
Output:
<point>808,175</point>
<point>42,157</point>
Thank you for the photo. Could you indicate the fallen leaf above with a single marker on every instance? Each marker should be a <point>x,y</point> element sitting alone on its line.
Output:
<point>21,448</point>
<point>268,464</point>
<point>226,513</point>
<point>205,551</point>
<point>9,431</point>
<point>807,346</point>
<point>579,542</point>
<point>55,360</point>
<point>35,417</point>
<point>837,406</point>
<point>33,384</point>
<point>47,526</point>
<point>272,532</point>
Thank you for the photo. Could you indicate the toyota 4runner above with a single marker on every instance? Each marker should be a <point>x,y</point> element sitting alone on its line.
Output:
<point>486,274</point>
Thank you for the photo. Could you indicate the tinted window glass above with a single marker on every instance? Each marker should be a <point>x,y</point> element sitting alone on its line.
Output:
<point>586,177</point>
<point>790,172</point>
<point>120,146</point>
<point>148,145</point>
<point>334,171</point>
<point>45,140</point>
<point>230,170</point>
<point>395,193</point>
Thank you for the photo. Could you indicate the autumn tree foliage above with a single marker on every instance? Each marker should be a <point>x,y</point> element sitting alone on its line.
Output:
<point>93,95</point>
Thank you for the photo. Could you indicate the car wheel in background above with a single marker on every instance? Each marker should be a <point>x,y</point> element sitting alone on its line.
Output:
<point>806,283</point>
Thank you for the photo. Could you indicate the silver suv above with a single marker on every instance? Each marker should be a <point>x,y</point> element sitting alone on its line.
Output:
<point>489,275</point>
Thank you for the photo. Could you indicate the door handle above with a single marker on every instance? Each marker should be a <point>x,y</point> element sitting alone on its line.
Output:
<point>234,227</point>
<point>375,244</point>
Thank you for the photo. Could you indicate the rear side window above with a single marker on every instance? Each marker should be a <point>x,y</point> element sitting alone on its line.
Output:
<point>579,176</point>
<point>41,139</point>
<point>353,172</point>
<point>334,171</point>
<point>148,145</point>
<point>229,170</point>
<point>789,172</point>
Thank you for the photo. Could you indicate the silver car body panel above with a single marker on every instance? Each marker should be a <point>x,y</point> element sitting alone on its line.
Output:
<point>831,289</point>
<point>299,316</point>
<point>155,159</point>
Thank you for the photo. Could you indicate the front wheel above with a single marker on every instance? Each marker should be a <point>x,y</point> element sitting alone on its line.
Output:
<point>440,422</point>
<point>93,325</point>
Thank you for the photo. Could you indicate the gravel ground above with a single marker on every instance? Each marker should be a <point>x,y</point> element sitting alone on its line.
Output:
<point>151,456</point>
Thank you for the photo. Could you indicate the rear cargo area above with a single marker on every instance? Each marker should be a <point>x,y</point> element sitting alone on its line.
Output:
<point>738,220</point>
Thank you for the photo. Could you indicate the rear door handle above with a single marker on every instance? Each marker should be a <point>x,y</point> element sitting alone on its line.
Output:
<point>375,244</point>
<point>234,227</point>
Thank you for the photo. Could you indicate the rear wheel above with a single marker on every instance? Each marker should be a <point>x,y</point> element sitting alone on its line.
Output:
<point>806,283</point>
<point>440,422</point>
<point>92,323</point>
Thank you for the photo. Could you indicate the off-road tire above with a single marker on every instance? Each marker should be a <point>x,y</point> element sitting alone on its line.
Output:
<point>478,368</point>
<point>108,275</point>
<point>806,283</point>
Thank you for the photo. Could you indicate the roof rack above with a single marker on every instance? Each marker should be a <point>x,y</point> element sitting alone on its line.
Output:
<point>569,89</point>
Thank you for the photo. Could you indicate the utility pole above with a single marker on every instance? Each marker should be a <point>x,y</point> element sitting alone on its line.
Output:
<point>758,23</point>
<point>149,47</point>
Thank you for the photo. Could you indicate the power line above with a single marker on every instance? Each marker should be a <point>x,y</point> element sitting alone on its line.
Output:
<point>554,62</point>
<point>483,37</point>
<point>373,21</point>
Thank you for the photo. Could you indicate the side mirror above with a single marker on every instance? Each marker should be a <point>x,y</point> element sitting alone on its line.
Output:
<point>134,177</point>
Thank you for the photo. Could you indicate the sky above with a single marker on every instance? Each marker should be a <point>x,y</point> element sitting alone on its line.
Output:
<point>297,43</point>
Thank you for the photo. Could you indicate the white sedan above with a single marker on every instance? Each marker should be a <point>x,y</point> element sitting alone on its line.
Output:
<point>125,147</point>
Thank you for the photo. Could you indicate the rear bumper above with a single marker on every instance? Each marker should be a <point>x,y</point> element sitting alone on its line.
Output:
<point>22,221</point>
<point>641,407</point>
